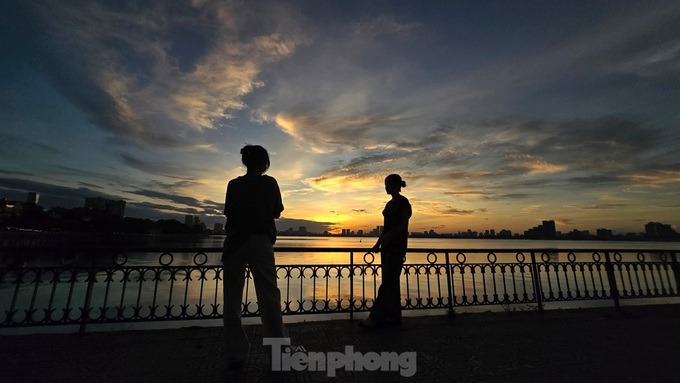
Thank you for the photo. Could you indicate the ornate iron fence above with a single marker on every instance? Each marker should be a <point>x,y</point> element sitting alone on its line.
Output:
<point>93,286</point>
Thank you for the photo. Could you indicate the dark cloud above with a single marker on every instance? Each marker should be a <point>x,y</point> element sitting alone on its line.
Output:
<point>284,224</point>
<point>52,195</point>
<point>487,196</point>
<point>596,180</point>
<point>12,142</point>
<point>511,196</point>
<point>454,211</point>
<point>184,200</point>
<point>605,206</point>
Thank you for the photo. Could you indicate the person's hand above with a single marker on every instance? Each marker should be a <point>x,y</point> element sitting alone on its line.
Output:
<point>376,247</point>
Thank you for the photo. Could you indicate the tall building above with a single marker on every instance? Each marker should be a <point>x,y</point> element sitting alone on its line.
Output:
<point>192,220</point>
<point>544,231</point>
<point>32,198</point>
<point>657,230</point>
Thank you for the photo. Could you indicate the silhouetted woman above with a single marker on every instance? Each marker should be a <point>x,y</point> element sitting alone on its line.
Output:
<point>253,202</point>
<point>392,244</point>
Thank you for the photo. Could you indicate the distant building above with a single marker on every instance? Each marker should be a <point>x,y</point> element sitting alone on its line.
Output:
<point>543,231</point>
<point>32,198</point>
<point>9,208</point>
<point>604,233</point>
<point>218,227</point>
<point>302,230</point>
<point>192,220</point>
<point>107,207</point>
<point>657,230</point>
<point>577,234</point>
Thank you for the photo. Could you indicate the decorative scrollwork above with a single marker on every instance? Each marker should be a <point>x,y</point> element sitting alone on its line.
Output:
<point>597,258</point>
<point>119,259</point>
<point>200,259</point>
<point>461,258</point>
<point>166,259</point>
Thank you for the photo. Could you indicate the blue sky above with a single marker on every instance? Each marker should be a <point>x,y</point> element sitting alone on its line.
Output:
<point>497,114</point>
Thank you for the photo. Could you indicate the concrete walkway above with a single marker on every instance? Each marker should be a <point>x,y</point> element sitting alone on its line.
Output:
<point>638,344</point>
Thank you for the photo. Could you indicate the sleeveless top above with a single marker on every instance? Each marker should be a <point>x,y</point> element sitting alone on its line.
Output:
<point>395,211</point>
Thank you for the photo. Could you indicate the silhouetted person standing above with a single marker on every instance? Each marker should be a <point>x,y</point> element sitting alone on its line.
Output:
<point>253,202</point>
<point>392,243</point>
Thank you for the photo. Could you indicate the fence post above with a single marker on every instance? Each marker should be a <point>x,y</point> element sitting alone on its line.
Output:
<point>536,280</point>
<point>613,289</point>
<point>676,272</point>
<point>448,283</point>
<point>91,276</point>
<point>351,286</point>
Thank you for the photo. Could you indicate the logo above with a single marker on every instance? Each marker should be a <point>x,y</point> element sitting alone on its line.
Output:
<point>297,358</point>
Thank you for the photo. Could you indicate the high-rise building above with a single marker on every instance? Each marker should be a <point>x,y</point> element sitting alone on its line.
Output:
<point>32,198</point>
<point>658,230</point>
<point>543,231</point>
<point>192,220</point>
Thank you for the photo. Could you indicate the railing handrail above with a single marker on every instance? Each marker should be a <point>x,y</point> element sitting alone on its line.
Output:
<point>175,249</point>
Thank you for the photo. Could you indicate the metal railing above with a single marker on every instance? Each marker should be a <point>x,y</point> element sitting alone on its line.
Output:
<point>94,286</point>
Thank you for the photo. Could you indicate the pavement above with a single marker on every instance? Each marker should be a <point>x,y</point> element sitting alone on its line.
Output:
<point>636,344</point>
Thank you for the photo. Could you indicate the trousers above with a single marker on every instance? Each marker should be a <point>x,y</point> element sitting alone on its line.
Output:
<point>258,253</point>
<point>387,305</point>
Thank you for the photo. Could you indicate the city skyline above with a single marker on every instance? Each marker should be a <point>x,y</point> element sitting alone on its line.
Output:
<point>500,115</point>
<point>14,212</point>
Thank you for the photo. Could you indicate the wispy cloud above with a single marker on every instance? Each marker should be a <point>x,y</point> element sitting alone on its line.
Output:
<point>133,70</point>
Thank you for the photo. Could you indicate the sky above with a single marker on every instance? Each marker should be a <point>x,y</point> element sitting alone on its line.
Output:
<point>497,114</point>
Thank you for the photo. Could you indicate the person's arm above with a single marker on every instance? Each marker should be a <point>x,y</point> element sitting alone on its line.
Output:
<point>403,226</point>
<point>228,204</point>
<point>278,203</point>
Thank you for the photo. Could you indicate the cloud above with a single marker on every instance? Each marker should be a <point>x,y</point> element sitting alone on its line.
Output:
<point>183,200</point>
<point>13,142</point>
<point>285,223</point>
<point>52,195</point>
<point>454,211</point>
<point>564,222</point>
<point>655,178</point>
<point>139,79</point>
<point>509,155</point>
<point>486,196</point>
<point>605,206</point>
<point>641,41</point>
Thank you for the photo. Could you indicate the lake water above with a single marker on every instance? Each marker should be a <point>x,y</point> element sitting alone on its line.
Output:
<point>430,243</point>
<point>363,245</point>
